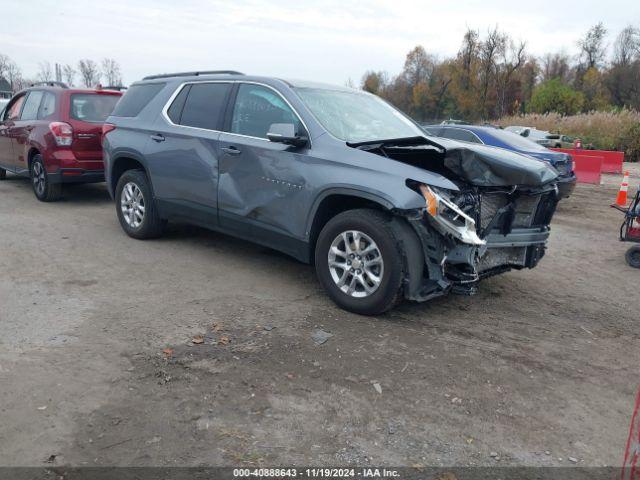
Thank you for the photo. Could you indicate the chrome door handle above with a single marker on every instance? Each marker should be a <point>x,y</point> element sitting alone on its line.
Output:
<point>231,150</point>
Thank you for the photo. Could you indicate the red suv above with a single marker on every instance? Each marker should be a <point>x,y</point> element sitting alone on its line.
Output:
<point>52,134</point>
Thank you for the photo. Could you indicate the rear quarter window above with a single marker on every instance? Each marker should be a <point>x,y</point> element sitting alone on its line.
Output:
<point>136,98</point>
<point>92,107</point>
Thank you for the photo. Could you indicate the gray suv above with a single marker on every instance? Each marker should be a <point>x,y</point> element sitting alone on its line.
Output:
<point>329,175</point>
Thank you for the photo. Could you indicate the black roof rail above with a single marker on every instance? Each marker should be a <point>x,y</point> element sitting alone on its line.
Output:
<point>49,84</point>
<point>193,74</point>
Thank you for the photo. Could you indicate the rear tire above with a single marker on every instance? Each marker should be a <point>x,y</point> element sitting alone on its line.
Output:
<point>364,239</point>
<point>135,206</point>
<point>633,256</point>
<point>43,188</point>
<point>3,174</point>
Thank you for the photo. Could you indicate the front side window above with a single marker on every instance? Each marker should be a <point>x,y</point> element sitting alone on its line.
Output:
<point>92,107</point>
<point>13,112</point>
<point>355,116</point>
<point>31,106</point>
<point>257,108</point>
<point>204,105</point>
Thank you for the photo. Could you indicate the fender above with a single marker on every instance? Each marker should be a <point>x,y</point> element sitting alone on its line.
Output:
<point>378,197</point>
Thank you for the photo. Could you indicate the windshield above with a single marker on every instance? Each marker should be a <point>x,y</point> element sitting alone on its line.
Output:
<point>355,116</point>
<point>517,141</point>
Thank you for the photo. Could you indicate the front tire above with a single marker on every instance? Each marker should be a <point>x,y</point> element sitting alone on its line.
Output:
<point>358,261</point>
<point>3,174</point>
<point>136,206</point>
<point>43,188</point>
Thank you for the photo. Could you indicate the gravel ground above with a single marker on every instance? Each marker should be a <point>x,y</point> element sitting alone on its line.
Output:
<point>98,364</point>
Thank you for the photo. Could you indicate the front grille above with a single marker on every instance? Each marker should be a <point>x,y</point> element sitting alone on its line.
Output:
<point>529,210</point>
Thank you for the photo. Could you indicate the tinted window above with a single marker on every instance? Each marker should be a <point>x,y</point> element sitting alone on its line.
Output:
<point>136,98</point>
<point>459,134</point>
<point>205,104</point>
<point>175,110</point>
<point>257,108</point>
<point>31,106</point>
<point>47,106</point>
<point>92,107</point>
<point>13,111</point>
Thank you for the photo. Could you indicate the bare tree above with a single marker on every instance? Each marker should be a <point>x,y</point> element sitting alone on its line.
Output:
<point>513,58</point>
<point>111,72</point>
<point>69,74</point>
<point>4,63</point>
<point>626,46</point>
<point>493,46</point>
<point>45,72</point>
<point>467,55</point>
<point>89,72</point>
<point>13,75</point>
<point>592,47</point>
<point>556,65</point>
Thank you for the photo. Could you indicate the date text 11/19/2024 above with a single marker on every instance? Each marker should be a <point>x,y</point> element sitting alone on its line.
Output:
<point>315,473</point>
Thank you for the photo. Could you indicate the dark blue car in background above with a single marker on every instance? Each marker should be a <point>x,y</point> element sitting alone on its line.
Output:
<point>496,137</point>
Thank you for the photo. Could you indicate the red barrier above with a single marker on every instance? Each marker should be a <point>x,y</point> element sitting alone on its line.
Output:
<point>612,161</point>
<point>631,462</point>
<point>588,168</point>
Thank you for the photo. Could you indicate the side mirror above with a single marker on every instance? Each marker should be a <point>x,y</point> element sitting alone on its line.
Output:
<point>286,133</point>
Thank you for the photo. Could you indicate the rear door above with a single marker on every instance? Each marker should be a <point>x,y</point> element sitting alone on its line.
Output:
<point>182,154</point>
<point>87,112</point>
<point>11,115</point>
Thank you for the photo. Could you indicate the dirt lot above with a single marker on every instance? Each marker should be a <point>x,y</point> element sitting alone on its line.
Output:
<point>540,366</point>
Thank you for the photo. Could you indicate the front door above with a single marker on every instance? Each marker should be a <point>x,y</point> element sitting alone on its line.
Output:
<point>262,192</point>
<point>11,114</point>
<point>182,152</point>
<point>22,127</point>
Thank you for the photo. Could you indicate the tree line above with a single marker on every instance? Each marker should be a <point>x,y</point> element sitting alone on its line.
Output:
<point>86,73</point>
<point>492,76</point>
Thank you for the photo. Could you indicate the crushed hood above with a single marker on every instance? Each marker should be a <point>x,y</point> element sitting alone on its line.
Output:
<point>490,166</point>
<point>479,165</point>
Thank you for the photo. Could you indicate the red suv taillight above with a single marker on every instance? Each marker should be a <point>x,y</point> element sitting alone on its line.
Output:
<point>106,128</point>
<point>62,133</point>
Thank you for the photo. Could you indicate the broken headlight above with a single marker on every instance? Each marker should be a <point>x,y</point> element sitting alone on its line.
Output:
<point>449,216</point>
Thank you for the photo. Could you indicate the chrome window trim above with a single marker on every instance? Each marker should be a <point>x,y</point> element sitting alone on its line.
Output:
<point>195,82</point>
<point>462,130</point>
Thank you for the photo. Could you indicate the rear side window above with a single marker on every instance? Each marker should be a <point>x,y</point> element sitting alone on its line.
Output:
<point>205,104</point>
<point>92,107</point>
<point>136,98</point>
<point>47,106</point>
<point>175,110</point>
<point>31,106</point>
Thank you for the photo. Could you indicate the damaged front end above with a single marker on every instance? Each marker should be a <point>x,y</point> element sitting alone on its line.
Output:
<point>497,220</point>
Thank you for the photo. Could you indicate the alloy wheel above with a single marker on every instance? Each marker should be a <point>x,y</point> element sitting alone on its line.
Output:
<point>39,179</point>
<point>132,205</point>
<point>355,263</point>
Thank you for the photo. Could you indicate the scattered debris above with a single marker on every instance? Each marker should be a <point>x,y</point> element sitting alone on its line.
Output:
<point>268,328</point>
<point>493,454</point>
<point>224,340</point>
<point>456,401</point>
<point>198,339</point>
<point>168,352</point>
<point>153,440</point>
<point>573,460</point>
<point>547,452</point>
<point>44,407</point>
<point>378,388</point>
<point>290,376</point>
<point>406,365</point>
<point>320,336</point>
<point>51,459</point>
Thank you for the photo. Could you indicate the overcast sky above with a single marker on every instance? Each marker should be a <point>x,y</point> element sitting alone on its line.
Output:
<point>323,40</point>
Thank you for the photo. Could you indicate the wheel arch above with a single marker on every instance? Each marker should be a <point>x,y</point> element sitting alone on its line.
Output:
<point>337,200</point>
<point>121,164</point>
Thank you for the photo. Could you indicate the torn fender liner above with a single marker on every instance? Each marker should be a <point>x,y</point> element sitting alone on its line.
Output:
<point>495,167</point>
